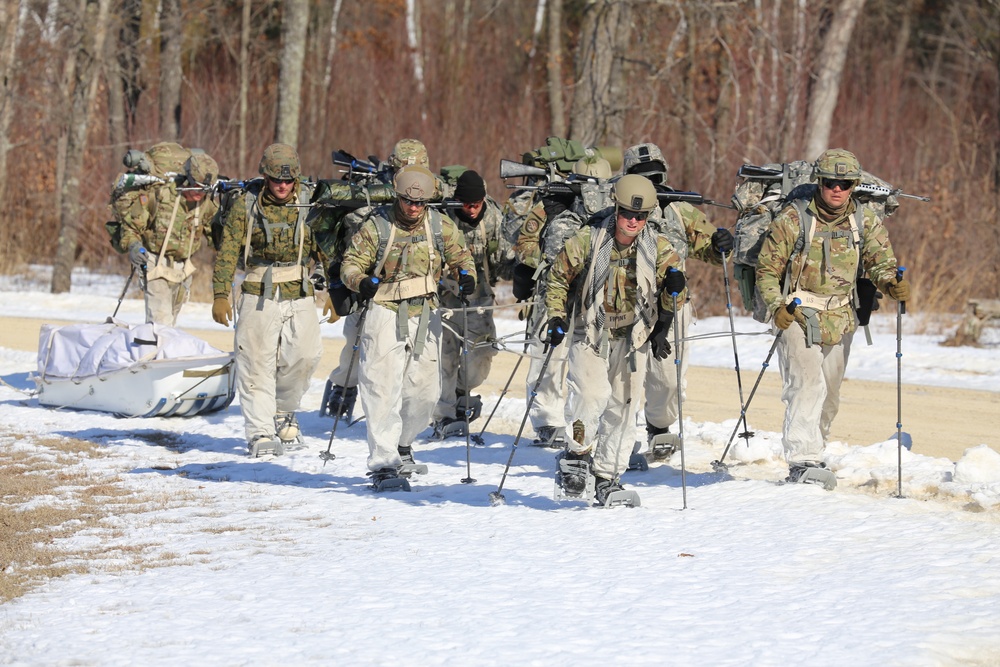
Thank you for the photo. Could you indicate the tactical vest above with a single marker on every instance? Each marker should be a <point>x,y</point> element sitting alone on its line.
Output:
<point>268,272</point>
<point>407,288</point>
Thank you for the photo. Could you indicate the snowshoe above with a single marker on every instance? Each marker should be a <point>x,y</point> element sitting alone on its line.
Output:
<point>473,404</point>
<point>610,493</point>
<point>812,473</point>
<point>409,465</point>
<point>449,428</point>
<point>262,445</point>
<point>638,462</point>
<point>551,437</point>
<point>573,478</point>
<point>286,426</point>
<point>388,479</point>
<point>339,399</point>
<point>662,443</point>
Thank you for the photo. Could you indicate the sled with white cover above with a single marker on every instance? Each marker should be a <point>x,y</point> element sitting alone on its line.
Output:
<point>145,370</point>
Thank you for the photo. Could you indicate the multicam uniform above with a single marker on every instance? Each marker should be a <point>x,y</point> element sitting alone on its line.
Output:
<point>399,377</point>
<point>171,229</point>
<point>824,277</point>
<point>607,364</point>
<point>277,329</point>
<point>460,373</point>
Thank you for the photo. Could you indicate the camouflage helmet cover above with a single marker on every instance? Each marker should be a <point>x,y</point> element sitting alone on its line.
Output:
<point>635,193</point>
<point>201,169</point>
<point>837,163</point>
<point>641,154</point>
<point>595,167</point>
<point>167,158</point>
<point>408,151</point>
<point>280,161</point>
<point>415,182</point>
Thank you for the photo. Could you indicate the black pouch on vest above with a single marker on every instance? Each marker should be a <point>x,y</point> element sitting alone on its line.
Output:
<point>868,296</point>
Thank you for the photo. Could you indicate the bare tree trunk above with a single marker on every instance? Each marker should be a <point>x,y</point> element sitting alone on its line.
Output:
<point>171,69</point>
<point>117,131</point>
<point>597,115</point>
<point>689,127</point>
<point>242,160</point>
<point>331,54</point>
<point>90,29</point>
<point>553,67</point>
<point>130,62</point>
<point>536,32</point>
<point>790,138</point>
<point>295,23</point>
<point>823,101</point>
<point>14,14</point>
<point>416,55</point>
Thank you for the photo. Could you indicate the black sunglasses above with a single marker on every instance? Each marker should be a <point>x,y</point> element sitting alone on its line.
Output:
<point>283,181</point>
<point>412,202</point>
<point>633,215</point>
<point>842,183</point>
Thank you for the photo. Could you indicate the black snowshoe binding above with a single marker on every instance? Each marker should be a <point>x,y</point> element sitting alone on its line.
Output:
<point>609,493</point>
<point>662,443</point>
<point>388,479</point>
<point>812,473</point>
<point>338,399</point>
<point>573,478</point>
<point>409,465</point>
<point>551,437</point>
<point>454,427</point>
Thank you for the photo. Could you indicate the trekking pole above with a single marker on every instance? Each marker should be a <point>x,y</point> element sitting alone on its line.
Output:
<point>468,479</point>
<point>496,497</point>
<point>124,289</point>
<point>328,455</point>
<point>503,393</point>
<point>680,398</point>
<point>719,466</point>
<point>900,311</point>
<point>747,433</point>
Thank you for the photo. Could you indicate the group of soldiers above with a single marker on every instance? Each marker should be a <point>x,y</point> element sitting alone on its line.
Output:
<point>411,260</point>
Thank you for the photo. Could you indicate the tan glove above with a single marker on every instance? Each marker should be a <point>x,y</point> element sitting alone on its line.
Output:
<point>328,312</point>
<point>222,312</point>
<point>899,289</point>
<point>783,319</point>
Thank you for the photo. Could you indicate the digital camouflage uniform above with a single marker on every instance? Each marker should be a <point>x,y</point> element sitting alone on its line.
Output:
<point>605,376</point>
<point>277,327</point>
<point>812,373</point>
<point>460,373</point>
<point>171,229</point>
<point>399,376</point>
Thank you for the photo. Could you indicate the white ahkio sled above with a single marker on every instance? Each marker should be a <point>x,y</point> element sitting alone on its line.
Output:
<point>144,370</point>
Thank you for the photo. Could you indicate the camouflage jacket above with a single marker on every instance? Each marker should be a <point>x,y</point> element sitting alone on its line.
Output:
<point>834,276</point>
<point>489,251</point>
<point>279,248</point>
<point>146,213</point>
<point>573,263</point>
<point>413,254</point>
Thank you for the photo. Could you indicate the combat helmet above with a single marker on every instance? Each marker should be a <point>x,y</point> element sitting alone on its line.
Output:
<point>837,163</point>
<point>634,192</point>
<point>646,159</point>
<point>414,182</point>
<point>408,151</point>
<point>594,167</point>
<point>200,169</point>
<point>280,161</point>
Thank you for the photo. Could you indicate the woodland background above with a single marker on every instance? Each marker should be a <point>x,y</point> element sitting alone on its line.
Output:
<point>911,86</point>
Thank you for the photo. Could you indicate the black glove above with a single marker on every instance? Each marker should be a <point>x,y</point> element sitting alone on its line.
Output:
<point>524,282</point>
<point>466,283</point>
<point>318,280</point>
<point>722,241</point>
<point>555,330</point>
<point>658,343</point>
<point>674,281</point>
<point>368,287</point>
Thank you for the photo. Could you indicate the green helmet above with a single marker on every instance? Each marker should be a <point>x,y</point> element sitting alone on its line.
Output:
<point>408,151</point>
<point>635,193</point>
<point>837,163</point>
<point>280,161</point>
<point>415,182</point>
<point>595,167</point>
<point>201,169</point>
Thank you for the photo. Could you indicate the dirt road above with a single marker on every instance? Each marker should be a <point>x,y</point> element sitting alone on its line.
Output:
<point>942,421</point>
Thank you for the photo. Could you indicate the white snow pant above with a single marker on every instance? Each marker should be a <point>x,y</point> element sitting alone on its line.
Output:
<point>338,375</point>
<point>164,300</point>
<point>277,349</point>
<point>398,389</point>
<point>603,394</point>
<point>454,364</point>
<point>661,376</point>
<point>811,379</point>
<point>550,405</point>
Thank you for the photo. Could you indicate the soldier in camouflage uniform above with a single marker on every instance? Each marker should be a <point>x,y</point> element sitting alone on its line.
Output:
<point>842,240</point>
<point>341,389</point>
<point>395,262</point>
<point>689,232</point>
<point>479,219</point>
<point>163,226</point>
<point>617,268</point>
<point>277,330</point>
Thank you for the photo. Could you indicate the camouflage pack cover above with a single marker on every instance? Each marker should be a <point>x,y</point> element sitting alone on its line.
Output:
<point>167,157</point>
<point>594,197</point>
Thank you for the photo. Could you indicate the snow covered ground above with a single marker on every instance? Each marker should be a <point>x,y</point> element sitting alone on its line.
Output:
<point>285,561</point>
